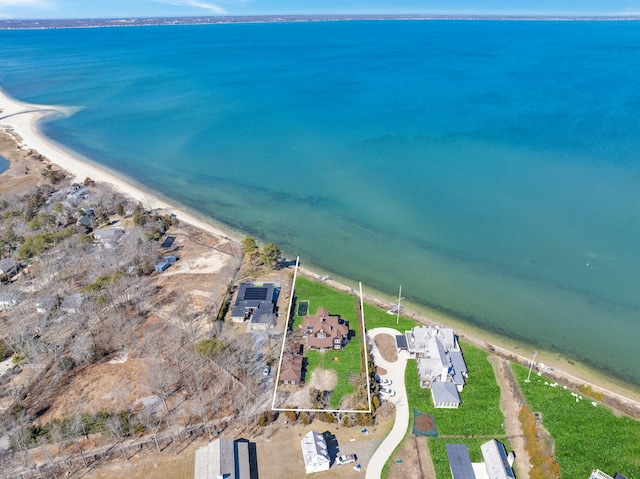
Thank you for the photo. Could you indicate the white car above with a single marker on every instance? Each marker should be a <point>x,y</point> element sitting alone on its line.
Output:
<point>387,392</point>
<point>346,459</point>
<point>385,382</point>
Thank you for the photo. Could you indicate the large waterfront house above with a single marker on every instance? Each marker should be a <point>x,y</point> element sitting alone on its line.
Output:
<point>440,363</point>
<point>325,331</point>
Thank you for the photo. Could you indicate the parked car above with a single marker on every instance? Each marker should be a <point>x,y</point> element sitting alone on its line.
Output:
<point>387,392</point>
<point>384,382</point>
<point>266,370</point>
<point>346,459</point>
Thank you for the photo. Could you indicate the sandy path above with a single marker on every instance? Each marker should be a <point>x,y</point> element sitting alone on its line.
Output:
<point>510,403</point>
<point>395,372</point>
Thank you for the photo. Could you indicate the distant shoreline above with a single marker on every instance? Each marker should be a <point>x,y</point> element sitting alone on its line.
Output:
<point>23,120</point>
<point>46,24</point>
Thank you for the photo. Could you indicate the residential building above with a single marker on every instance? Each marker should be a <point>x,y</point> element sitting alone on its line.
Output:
<point>445,395</point>
<point>161,266</point>
<point>497,464</point>
<point>496,460</point>
<point>255,303</point>
<point>315,453</point>
<point>226,459</point>
<point>291,369</point>
<point>325,331</point>
<point>108,236</point>
<point>459,461</point>
<point>440,362</point>
<point>598,474</point>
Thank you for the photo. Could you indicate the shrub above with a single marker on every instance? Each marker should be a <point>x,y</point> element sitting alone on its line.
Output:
<point>18,358</point>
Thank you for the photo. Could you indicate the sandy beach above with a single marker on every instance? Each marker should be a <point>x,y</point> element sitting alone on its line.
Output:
<point>24,118</point>
<point>21,121</point>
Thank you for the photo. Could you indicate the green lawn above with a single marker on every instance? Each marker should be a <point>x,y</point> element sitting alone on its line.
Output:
<point>478,415</point>
<point>586,437</point>
<point>349,360</point>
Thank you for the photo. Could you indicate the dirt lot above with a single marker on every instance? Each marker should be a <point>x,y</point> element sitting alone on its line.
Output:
<point>412,461</point>
<point>387,347</point>
<point>270,441</point>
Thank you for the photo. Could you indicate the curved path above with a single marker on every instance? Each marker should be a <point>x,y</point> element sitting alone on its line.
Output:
<point>395,372</point>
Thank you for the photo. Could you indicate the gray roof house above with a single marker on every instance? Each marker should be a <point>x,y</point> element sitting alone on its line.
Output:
<point>108,236</point>
<point>445,395</point>
<point>255,302</point>
<point>226,459</point>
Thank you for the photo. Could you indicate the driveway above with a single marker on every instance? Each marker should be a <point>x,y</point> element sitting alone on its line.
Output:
<point>395,372</point>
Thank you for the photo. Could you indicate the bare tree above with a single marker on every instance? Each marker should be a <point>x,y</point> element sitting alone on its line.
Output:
<point>116,429</point>
<point>152,421</point>
<point>161,380</point>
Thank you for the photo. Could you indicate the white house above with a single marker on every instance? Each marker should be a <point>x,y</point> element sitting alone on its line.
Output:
<point>315,453</point>
<point>441,366</point>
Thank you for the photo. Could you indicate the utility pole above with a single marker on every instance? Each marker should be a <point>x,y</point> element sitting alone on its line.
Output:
<point>535,353</point>
<point>399,299</point>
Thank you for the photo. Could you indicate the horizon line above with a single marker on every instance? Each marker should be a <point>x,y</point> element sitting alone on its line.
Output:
<point>229,18</point>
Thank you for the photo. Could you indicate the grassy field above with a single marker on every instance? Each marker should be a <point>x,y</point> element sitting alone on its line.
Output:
<point>347,362</point>
<point>479,413</point>
<point>586,436</point>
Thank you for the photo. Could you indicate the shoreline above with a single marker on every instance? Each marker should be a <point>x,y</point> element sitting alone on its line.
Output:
<point>24,118</point>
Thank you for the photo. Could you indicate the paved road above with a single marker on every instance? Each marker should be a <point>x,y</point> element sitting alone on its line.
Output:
<point>395,372</point>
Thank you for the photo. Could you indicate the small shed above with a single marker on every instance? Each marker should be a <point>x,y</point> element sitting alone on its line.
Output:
<point>161,266</point>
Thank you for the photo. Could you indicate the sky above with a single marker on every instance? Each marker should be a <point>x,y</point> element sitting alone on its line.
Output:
<point>46,9</point>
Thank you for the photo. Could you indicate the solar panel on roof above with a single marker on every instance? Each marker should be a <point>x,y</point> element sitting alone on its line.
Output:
<point>259,294</point>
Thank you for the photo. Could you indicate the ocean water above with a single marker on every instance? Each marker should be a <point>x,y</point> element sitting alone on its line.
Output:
<point>491,168</point>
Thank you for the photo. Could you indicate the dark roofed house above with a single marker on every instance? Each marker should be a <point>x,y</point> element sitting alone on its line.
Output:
<point>325,331</point>
<point>255,303</point>
<point>291,369</point>
<point>459,461</point>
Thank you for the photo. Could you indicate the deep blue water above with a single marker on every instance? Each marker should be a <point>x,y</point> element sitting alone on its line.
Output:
<point>491,168</point>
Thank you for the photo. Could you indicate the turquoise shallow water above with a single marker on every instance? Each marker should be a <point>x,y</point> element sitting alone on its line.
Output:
<point>491,168</point>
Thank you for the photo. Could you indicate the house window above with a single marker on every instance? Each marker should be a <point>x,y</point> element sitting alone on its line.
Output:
<point>322,335</point>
